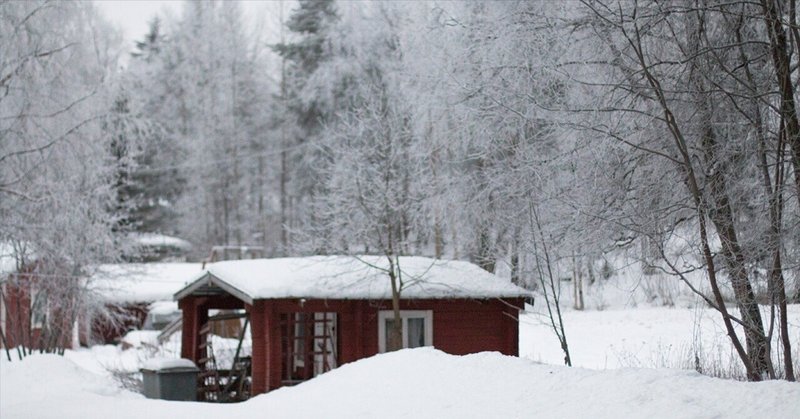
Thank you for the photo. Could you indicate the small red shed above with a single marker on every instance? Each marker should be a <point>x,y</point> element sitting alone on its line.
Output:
<point>27,315</point>
<point>308,315</point>
<point>128,290</point>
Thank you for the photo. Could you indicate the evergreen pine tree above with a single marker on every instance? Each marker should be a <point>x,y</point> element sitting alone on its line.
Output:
<point>303,115</point>
<point>147,183</point>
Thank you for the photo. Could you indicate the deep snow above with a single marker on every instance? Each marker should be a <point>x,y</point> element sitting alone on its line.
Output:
<point>417,383</point>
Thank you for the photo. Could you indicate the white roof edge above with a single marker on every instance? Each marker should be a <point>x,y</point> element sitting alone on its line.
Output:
<point>208,279</point>
<point>377,299</point>
<point>189,288</point>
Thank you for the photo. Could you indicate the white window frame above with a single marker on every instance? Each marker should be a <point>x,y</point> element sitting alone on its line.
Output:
<point>383,315</point>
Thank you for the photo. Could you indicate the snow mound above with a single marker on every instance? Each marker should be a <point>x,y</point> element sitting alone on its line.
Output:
<point>51,386</point>
<point>427,383</point>
<point>47,377</point>
<point>416,383</point>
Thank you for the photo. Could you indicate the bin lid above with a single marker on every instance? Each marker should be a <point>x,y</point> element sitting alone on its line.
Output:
<point>169,365</point>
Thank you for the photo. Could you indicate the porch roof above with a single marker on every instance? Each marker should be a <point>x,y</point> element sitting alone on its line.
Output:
<point>348,277</point>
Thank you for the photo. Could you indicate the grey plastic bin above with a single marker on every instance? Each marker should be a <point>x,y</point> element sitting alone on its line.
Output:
<point>170,380</point>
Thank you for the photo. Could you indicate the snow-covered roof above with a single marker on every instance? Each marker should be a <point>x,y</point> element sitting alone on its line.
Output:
<point>349,277</point>
<point>141,282</point>
<point>160,240</point>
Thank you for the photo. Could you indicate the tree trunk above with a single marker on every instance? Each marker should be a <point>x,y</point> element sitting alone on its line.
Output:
<point>577,283</point>
<point>484,257</point>
<point>777,283</point>
<point>790,127</point>
<point>780,57</point>
<point>395,333</point>
<point>438,239</point>
<point>721,215</point>
<point>556,320</point>
<point>724,219</point>
<point>515,264</point>
<point>284,202</point>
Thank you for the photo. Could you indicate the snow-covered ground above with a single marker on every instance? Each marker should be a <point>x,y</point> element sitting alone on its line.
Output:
<point>418,383</point>
<point>633,319</point>
<point>633,357</point>
<point>648,337</point>
<point>109,359</point>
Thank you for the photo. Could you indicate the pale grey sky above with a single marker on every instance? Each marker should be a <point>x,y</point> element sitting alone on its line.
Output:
<point>132,16</point>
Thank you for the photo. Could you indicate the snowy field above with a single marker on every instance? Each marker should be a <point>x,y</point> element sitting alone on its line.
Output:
<point>429,383</point>
<point>646,337</point>
<point>418,383</point>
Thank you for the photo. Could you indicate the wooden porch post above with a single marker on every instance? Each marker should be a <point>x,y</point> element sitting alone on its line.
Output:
<point>188,329</point>
<point>272,328</point>
<point>201,319</point>
<point>257,332</point>
<point>195,315</point>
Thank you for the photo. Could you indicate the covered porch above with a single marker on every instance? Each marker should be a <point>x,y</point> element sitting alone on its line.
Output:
<point>292,340</point>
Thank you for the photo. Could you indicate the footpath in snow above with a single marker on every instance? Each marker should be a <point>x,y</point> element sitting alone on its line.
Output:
<point>416,383</point>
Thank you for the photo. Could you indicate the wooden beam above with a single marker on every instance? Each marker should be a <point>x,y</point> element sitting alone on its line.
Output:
<point>259,345</point>
<point>273,345</point>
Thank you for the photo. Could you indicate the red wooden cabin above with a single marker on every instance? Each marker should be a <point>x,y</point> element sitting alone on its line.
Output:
<point>309,315</point>
<point>127,291</point>
<point>29,319</point>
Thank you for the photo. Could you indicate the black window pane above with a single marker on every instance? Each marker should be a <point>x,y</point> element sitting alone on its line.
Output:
<point>416,332</point>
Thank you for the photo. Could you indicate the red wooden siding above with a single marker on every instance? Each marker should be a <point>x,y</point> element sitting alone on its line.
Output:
<point>17,329</point>
<point>17,306</point>
<point>460,326</point>
<point>128,317</point>
<point>258,333</point>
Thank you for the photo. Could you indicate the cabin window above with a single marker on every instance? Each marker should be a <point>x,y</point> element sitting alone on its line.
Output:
<point>417,326</point>
<point>39,308</point>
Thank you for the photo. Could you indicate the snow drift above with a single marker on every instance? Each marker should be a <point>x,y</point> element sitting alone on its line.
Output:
<point>418,383</point>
